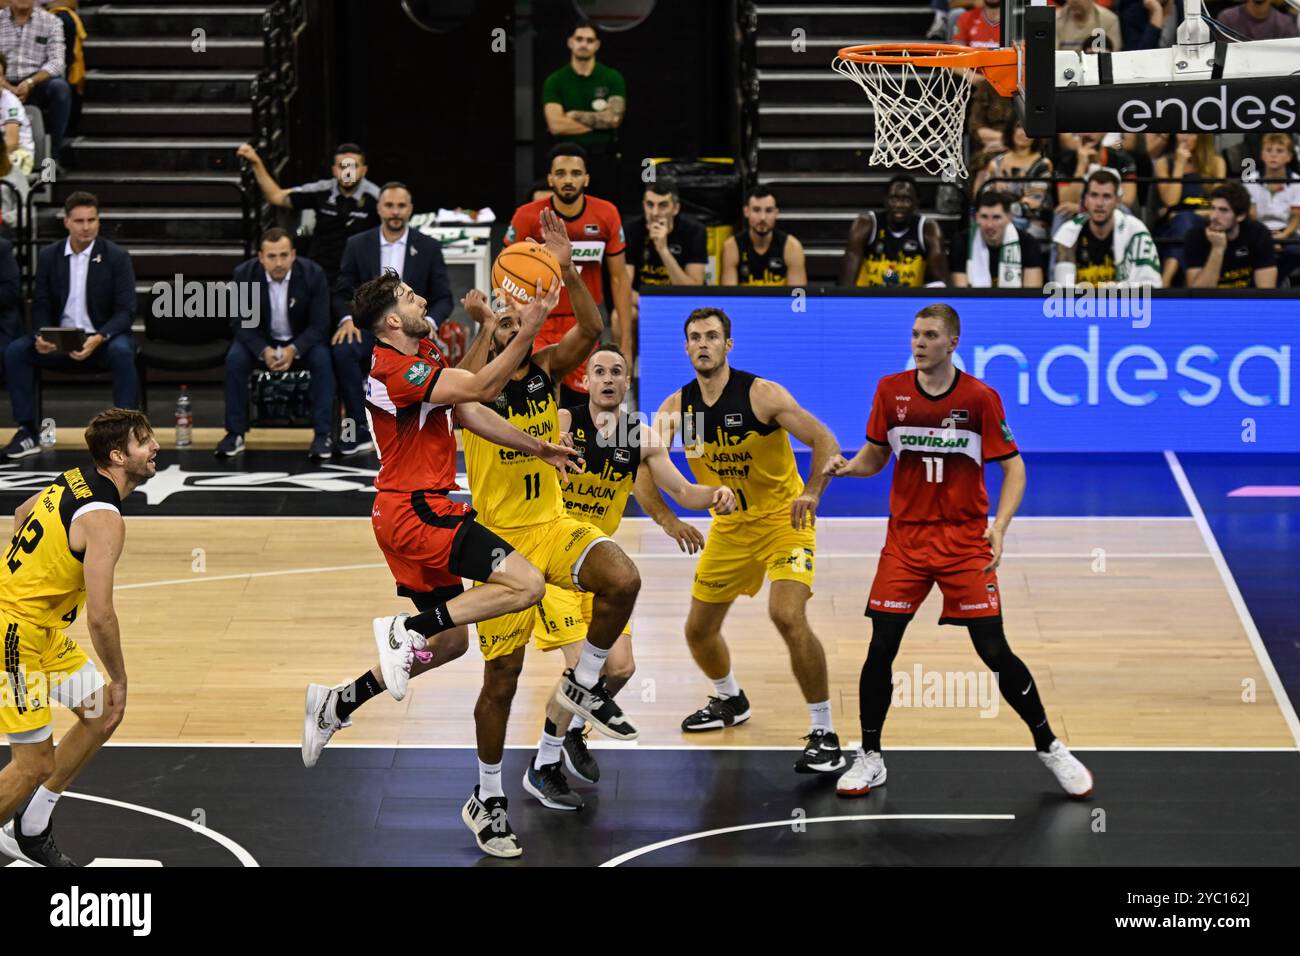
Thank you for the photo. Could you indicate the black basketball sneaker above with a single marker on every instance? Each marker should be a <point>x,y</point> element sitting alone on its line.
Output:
<point>549,786</point>
<point>578,758</point>
<point>39,850</point>
<point>718,713</point>
<point>822,755</point>
<point>596,705</point>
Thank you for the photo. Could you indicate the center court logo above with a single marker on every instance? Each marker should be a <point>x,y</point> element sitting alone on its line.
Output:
<point>934,689</point>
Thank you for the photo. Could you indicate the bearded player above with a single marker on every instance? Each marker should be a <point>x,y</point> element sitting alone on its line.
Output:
<point>66,545</point>
<point>618,454</point>
<point>736,428</point>
<point>429,541</point>
<point>943,425</point>
<point>524,505</point>
<point>596,232</point>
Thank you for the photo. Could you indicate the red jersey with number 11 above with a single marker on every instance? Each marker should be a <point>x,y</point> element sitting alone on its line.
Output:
<point>942,443</point>
<point>416,444</point>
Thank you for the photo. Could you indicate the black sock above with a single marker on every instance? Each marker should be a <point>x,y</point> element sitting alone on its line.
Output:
<point>432,621</point>
<point>876,682</point>
<point>356,694</point>
<point>549,728</point>
<point>1018,687</point>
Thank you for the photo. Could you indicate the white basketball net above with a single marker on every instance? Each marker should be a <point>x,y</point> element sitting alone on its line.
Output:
<point>920,114</point>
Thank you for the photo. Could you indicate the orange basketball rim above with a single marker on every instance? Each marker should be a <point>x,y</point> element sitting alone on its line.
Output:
<point>997,65</point>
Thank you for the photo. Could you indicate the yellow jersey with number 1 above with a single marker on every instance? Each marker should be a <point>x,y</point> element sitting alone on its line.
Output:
<point>43,581</point>
<point>512,489</point>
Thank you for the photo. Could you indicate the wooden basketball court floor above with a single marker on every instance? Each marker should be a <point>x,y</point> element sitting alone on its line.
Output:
<point>1125,610</point>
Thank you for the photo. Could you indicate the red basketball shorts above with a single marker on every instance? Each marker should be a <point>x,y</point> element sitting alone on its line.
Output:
<point>918,555</point>
<point>418,533</point>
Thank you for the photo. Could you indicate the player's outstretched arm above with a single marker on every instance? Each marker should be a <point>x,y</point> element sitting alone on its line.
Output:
<point>105,534</point>
<point>665,477</point>
<point>477,308</point>
<point>576,344</point>
<point>456,385</point>
<point>869,460</point>
<point>772,403</point>
<point>488,424</point>
<point>1013,492</point>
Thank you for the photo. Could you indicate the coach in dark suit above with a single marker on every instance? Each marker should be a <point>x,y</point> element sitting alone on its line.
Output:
<point>11,293</point>
<point>415,257</point>
<point>287,330</point>
<point>84,282</point>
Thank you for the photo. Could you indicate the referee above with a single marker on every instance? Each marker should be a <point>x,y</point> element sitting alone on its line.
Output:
<point>345,204</point>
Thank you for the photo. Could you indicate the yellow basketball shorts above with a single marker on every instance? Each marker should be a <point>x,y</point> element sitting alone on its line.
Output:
<point>562,618</point>
<point>738,555</point>
<point>41,664</point>
<point>557,549</point>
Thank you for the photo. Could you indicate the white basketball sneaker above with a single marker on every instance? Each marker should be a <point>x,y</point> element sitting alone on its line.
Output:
<point>866,771</point>
<point>320,721</point>
<point>1071,774</point>
<point>398,649</point>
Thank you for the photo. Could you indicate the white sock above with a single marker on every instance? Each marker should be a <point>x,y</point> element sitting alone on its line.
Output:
<point>578,723</point>
<point>727,687</point>
<point>548,750</point>
<point>821,716</point>
<point>489,780</point>
<point>590,664</point>
<point>37,817</point>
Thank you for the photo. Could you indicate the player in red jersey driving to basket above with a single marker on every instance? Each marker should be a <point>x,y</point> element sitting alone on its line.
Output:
<point>430,541</point>
<point>943,425</point>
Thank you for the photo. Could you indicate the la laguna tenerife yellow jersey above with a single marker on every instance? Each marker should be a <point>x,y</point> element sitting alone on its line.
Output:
<point>512,489</point>
<point>599,495</point>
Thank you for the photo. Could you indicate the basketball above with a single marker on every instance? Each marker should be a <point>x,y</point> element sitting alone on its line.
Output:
<point>519,268</point>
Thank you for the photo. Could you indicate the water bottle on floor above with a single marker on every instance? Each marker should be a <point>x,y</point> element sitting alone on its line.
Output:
<point>184,419</point>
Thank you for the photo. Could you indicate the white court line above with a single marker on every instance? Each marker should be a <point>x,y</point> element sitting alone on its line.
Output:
<point>240,854</point>
<point>1234,593</point>
<point>646,556</point>
<point>633,745</point>
<point>791,821</point>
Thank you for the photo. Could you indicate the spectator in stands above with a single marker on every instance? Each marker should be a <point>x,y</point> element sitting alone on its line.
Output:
<point>981,27</point>
<point>902,247</point>
<point>1079,155</point>
<point>1230,250</point>
<point>14,186</point>
<point>19,142</point>
<point>1031,191</point>
<point>1083,25</point>
<point>994,254</point>
<point>986,119</point>
<point>289,327</point>
<point>344,204</point>
<point>762,254</point>
<point>585,102</point>
<point>11,296</point>
<point>1275,199</point>
<point>1142,22</point>
<point>945,19</point>
<point>417,260</point>
<point>1259,20</point>
<point>32,42</point>
<point>82,282</point>
<point>664,245</point>
<point>74,54</point>
<point>1184,203</point>
<point>1105,245</point>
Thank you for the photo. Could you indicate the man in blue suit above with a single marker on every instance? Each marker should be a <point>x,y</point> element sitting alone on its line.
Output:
<point>11,294</point>
<point>84,282</point>
<point>288,329</point>
<point>417,259</point>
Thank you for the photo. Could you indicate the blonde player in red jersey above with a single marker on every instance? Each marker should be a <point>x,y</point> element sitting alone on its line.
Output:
<point>430,541</point>
<point>943,425</point>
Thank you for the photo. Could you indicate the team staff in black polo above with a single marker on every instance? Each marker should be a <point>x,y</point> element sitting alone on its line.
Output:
<point>417,260</point>
<point>345,204</point>
<point>664,245</point>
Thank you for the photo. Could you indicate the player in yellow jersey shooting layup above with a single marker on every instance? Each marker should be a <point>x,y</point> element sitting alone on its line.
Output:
<point>67,541</point>
<point>736,429</point>
<point>619,455</point>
